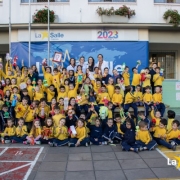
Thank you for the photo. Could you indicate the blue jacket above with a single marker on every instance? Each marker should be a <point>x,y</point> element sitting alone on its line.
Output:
<point>106,78</point>
<point>95,132</point>
<point>129,134</point>
<point>109,131</point>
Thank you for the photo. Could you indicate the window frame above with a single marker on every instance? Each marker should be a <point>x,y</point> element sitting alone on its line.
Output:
<point>40,3</point>
<point>165,52</point>
<point>112,2</point>
<point>164,3</point>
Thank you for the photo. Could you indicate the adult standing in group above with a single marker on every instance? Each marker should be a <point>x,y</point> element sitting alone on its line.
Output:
<point>33,75</point>
<point>72,65</point>
<point>91,64</point>
<point>101,63</point>
<point>152,72</point>
<point>83,64</point>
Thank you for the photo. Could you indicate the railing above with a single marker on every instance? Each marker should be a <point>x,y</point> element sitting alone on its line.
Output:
<point>41,1</point>
<point>112,0</point>
<point>167,1</point>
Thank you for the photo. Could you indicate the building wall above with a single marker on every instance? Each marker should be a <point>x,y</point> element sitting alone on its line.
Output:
<point>77,11</point>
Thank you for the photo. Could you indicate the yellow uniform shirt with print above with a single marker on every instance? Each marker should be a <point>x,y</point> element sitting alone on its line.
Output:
<point>61,95</point>
<point>38,96</point>
<point>157,79</point>
<point>21,131</point>
<point>50,94</point>
<point>136,79</point>
<point>73,92</point>
<point>20,110</point>
<point>119,128</point>
<point>169,125</point>
<point>143,136</point>
<point>30,91</point>
<point>31,114</point>
<point>61,133</point>
<point>81,133</point>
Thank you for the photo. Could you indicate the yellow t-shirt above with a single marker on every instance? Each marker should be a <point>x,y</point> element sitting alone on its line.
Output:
<point>136,79</point>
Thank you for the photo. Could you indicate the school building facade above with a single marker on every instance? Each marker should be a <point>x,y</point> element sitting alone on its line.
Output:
<point>78,22</point>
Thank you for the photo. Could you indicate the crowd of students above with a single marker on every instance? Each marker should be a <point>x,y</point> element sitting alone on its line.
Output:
<point>84,104</point>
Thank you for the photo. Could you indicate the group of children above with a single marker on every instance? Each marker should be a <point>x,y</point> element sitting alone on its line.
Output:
<point>78,109</point>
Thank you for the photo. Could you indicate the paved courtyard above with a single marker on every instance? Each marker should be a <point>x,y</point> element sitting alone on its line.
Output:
<point>100,163</point>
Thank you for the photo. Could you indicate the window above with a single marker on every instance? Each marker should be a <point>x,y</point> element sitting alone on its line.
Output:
<point>41,1</point>
<point>167,1</point>
<point>112,0</point>
<point>165,60</point>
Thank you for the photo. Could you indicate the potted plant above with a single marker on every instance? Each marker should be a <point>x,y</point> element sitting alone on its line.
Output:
<point>41,16</point>
<point>122,14</point>
<point>172,17</point>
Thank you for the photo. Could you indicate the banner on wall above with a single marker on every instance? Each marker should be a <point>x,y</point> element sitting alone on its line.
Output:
<point>115,53</point>
<point>80,35</point>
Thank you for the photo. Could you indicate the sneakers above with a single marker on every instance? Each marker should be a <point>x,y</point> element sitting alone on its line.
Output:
<point>174,147</point>
<point>25,142</point>
<point>86,145</point>
<point>7,141</point>
<point>13,141</point>
<point>51,144</point>
<point>104,143</point>
<point>136,150</point>
<point>70,144</point>
<point>173,143</point>
<point>141,149</point>
<point>2,141</point>
<point>37,142</point>
<point>91,143</point>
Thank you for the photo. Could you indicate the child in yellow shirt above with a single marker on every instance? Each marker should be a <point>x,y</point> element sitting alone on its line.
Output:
<point>110,87</point>
<point>155,116</point>
<point>144,139</point>
<point>160,135</point>
<point>47,75</point>
<point>35,135</point>
<point>129,101</point>
<point>61,93</point>
<point>37,94</point>
<point>117,98</point>
<point>9,132</point>
<point>80,137</point>
<point>103,97</point>
<point>157,99</point>
<point>50,91</point>
<point>136,78</point>
<point>139,96</point>
<point>173,136</point>
<point>126,76</point>
<point>60,134</point>
<point>157,78</point>
<point>72,90</point>
<point>21,132</point>
<point>147,81</point>
<point>171,116</point>
<point>148,99</point>
<point>57,116</point>
<point>56,78</point>
<point>118,122</point>
<point>48,131</point>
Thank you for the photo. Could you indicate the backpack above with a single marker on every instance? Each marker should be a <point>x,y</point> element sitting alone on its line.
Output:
<point>103,112</point>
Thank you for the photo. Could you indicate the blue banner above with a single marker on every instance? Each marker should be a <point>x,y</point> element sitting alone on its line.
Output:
<point>116,53</point>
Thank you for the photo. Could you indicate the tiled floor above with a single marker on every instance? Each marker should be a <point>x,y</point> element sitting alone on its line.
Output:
<point>101,163</point>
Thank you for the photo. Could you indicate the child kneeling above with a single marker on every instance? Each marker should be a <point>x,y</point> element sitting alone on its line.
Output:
<point>80,138</point>
<point>61,134</point>
<point>143,138</point>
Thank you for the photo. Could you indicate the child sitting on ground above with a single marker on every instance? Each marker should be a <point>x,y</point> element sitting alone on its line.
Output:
<point>171,116</point>
<point>21,132</point>
<point>128,142</point>
<point>60,134</point>
<point>9,132</point>
<point>160,135</point>
<point>80,136</point>
<point>96,132</point>
<point>143,138</point>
